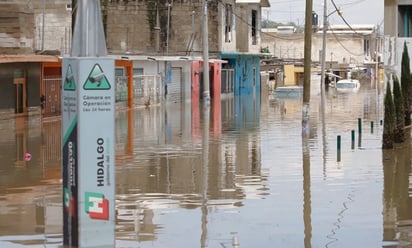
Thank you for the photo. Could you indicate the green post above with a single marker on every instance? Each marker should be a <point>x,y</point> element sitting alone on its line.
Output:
<point>371,126</point>
<point>353,139</point>
<point>359,125</point>
<point>338,147</point>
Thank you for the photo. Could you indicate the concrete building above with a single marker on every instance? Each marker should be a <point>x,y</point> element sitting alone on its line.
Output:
<point>397,31</point>
<point>167,32</point>
<point>357,45</point>
<point>28,27</point>
<point>138,28</point>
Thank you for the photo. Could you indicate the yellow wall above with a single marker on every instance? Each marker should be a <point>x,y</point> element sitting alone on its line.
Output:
<point>289,75</point>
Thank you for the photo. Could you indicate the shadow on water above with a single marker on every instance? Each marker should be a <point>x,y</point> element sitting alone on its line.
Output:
<point>236,174</point>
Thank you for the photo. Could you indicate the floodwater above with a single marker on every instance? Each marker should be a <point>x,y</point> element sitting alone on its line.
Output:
<point>242,174</point>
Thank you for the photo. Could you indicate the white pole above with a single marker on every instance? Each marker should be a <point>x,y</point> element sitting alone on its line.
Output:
<point>325,27</point>
<point>205,41</point>
<point>168,24</point>
<point>42,32</point>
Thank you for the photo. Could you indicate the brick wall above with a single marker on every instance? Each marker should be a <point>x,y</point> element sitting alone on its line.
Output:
<point>21,26</point>
<point>15,24</point>
<point>131,27</point>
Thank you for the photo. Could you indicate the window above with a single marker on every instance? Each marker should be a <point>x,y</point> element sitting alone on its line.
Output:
<point>137,71</point>
<point>254,27</point>
<point>404,20</point>
<point>228,23</point>
<point>119,72</point>
<point>366,47</point>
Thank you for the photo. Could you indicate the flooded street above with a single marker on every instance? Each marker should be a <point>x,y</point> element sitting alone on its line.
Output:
<point>243,175</point>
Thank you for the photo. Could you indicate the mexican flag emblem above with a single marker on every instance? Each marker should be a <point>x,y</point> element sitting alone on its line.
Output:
<point>96,206</point>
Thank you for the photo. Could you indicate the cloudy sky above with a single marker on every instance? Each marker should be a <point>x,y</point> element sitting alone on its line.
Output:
<point>354,11</point>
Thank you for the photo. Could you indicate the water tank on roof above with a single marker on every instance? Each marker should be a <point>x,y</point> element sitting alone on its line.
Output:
<point>315,19</point>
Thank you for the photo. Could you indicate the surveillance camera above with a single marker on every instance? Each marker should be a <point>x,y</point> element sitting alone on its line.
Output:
<point>97,78</point>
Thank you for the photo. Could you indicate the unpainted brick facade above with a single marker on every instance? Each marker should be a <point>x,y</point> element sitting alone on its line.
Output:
<point>21,26</point>
<point>141,27</point>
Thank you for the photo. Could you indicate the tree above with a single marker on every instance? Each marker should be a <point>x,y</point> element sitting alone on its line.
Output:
<point>406,84</point>
<point>389,120</point>
<point>399,134</point>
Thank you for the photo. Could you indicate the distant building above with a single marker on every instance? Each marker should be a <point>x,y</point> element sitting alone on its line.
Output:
<point>286,29</point>
<point>355,45</point>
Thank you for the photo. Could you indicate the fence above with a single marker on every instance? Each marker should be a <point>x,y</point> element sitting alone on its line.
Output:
<point>227,80</point>
<point>147,89</point>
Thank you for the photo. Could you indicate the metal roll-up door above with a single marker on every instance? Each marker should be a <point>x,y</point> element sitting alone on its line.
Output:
<point>174,88</point>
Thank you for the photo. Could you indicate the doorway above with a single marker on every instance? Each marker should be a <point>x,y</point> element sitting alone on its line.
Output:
<point>20,91</point>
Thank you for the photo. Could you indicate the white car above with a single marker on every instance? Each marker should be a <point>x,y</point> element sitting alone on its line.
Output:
<point>347,85</point>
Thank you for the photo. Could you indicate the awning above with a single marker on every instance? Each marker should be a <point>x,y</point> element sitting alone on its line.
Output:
<point>28,58</point>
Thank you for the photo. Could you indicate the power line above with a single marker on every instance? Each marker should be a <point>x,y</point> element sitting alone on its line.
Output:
<point>341,44</point>
<point>341,16</point>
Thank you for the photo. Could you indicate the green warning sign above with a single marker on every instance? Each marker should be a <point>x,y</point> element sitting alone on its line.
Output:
<point>96,80</point>
<point>69,83</point>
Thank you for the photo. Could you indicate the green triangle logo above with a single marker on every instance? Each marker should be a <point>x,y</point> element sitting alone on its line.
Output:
<point>96,80</point>
<point>69,83</point>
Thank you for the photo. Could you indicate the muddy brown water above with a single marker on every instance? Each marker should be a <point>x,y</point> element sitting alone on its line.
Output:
<point>252,179</point>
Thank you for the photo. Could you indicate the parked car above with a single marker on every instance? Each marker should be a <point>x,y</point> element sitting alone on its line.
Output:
<point>347,85</point>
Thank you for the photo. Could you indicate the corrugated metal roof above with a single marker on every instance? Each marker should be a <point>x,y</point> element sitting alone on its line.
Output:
<point>27,58</point>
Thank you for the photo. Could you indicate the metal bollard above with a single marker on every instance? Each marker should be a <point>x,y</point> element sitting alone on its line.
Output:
<point>338,148</point>
<point>353,139</point>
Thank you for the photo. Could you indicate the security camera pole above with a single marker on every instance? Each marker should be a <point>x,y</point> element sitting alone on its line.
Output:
<point>88,134</point>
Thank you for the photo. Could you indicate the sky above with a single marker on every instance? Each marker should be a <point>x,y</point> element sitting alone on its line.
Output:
<point>353,11</point>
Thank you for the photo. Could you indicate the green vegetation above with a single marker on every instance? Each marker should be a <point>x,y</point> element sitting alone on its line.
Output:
<point>389,122</point>
<point>399,135</point>
<point>264,50</point>
<point>406,84</point>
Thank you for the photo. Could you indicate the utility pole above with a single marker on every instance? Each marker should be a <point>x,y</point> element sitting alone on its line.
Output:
<point>167,32</point>
<point>42,31</point>
<point>307,66</point>
<point>325,27</point>
<point>205,43</point>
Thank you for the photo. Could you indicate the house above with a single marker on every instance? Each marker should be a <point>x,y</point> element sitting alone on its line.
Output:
<point>174,29</point>
<point>346,47</point>
<point>30,43</point>
<point>397,31</point>
<point>161,41</point>
<point>33,27</point>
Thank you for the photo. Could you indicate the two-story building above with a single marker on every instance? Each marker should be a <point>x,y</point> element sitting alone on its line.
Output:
<point>397,31</point>
<point>161,40</point>
<point>32,36</point>
<point>174,30</point>
<point>346,47</point>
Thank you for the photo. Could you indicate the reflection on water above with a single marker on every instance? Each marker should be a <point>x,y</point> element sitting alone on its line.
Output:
<point>237,173</point>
